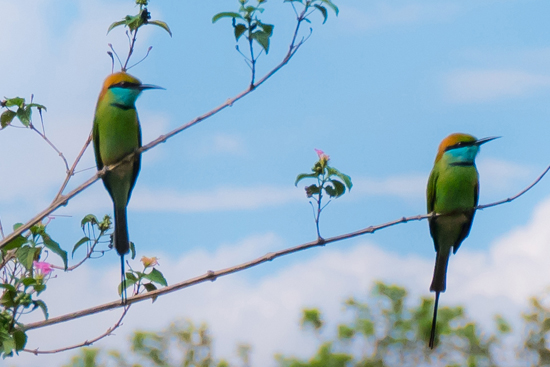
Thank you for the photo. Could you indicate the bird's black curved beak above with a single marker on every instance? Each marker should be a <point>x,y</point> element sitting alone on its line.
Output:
<point>486,140</point>
<point>150,86</point>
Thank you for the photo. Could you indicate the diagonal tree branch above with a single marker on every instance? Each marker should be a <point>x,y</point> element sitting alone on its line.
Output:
<point>213,275</point>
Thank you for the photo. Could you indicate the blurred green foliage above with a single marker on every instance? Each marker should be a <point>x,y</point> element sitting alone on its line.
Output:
<point>381,331</point>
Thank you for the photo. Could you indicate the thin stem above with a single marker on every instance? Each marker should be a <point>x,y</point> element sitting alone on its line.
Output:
<point>86,343</point>
<point>319,209</point>
<point>43,136</point>
<point>252,59</point>
<point>71,171</point>
<point>131,49</point>
<point>213,275</point>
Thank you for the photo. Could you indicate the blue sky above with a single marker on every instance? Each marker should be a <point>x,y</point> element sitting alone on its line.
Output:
<point>376,88</point>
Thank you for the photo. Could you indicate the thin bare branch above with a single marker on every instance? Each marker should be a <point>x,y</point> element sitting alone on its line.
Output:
<point>86,343</point>
<point>213,275</point>
<point>43,136</point>
<point>71,171</point>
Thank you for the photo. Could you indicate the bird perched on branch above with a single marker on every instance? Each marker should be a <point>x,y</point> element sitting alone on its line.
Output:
<point>117,134</point>
<point>453,190</point>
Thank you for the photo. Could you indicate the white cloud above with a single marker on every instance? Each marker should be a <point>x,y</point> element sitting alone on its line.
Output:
<point>383,14</point>
<point>467,86</point>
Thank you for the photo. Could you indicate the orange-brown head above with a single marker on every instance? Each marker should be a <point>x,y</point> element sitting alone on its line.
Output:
<point>459,140</point>
<point>126,81</point>
<point>118,78</point>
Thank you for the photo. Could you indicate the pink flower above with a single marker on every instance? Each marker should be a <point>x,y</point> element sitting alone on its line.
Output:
<point>42,268</point>
<point>322,155</point>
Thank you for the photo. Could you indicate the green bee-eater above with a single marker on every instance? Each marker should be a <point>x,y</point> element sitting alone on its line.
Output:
<point>117,134</point>
<point>453,189</point>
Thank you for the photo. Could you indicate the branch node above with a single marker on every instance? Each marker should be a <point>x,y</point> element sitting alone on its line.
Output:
<point>211,275</point>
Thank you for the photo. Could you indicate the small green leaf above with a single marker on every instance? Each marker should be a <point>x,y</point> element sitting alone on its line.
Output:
<point>55,248</point>
<point>82,241</point>
<point>156,276</point>
<point>239,30</point>
<point>132,251</point>
<point>226,14</point>
<point>136,21</point>
<point>116,24</point>
<point>334,172</point>
<point>312,190</point>
<point>17,101</point>
<point>38,106</point>
<point>15,243</point>
<point>16,226</point>
<point>262,38</point>
<point>27,282</point>
<point>331,5</point>
<point>161,24</point>
<point>8,298</point>
<point>268,28</point>
<point>338,187</point>
<point>26,255</point>
<point>6,118</point>
<point>323,11</point>
<point>20,339</point>
<point>129,283</point>
<point>301,176</point>
<point>331,191</point>
<point>9,345</point>
<point>43,307</point>
<point>149,287</point>
<point>8,287</point>
<point>24,115</point>
<point>131,276</point>
<point>90,218</point>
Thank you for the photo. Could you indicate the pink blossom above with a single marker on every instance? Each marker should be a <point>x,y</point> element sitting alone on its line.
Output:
<point>42,268</point>
<point>322,155</point>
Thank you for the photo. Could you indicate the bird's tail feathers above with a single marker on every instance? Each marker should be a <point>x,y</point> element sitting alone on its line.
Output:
<point>439,281</point>
<point>434,321</point>
<point>121,239</point>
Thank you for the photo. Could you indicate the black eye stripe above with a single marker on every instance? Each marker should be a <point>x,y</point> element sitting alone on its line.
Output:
<point>124,84</point>
<point>461,144</point>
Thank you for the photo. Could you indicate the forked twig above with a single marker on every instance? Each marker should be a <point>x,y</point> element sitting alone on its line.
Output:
<point>86,343</point>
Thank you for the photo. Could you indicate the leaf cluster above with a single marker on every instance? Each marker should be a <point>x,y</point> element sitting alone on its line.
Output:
<point>182,344</point>
<point>142,18</point>
<point>148,278</point>
<point>319,5</point>
<point>22,283</point>
<point>17,107</point>
<point>246,21</point>
<point>329,179</point>
<point>388,333</point>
